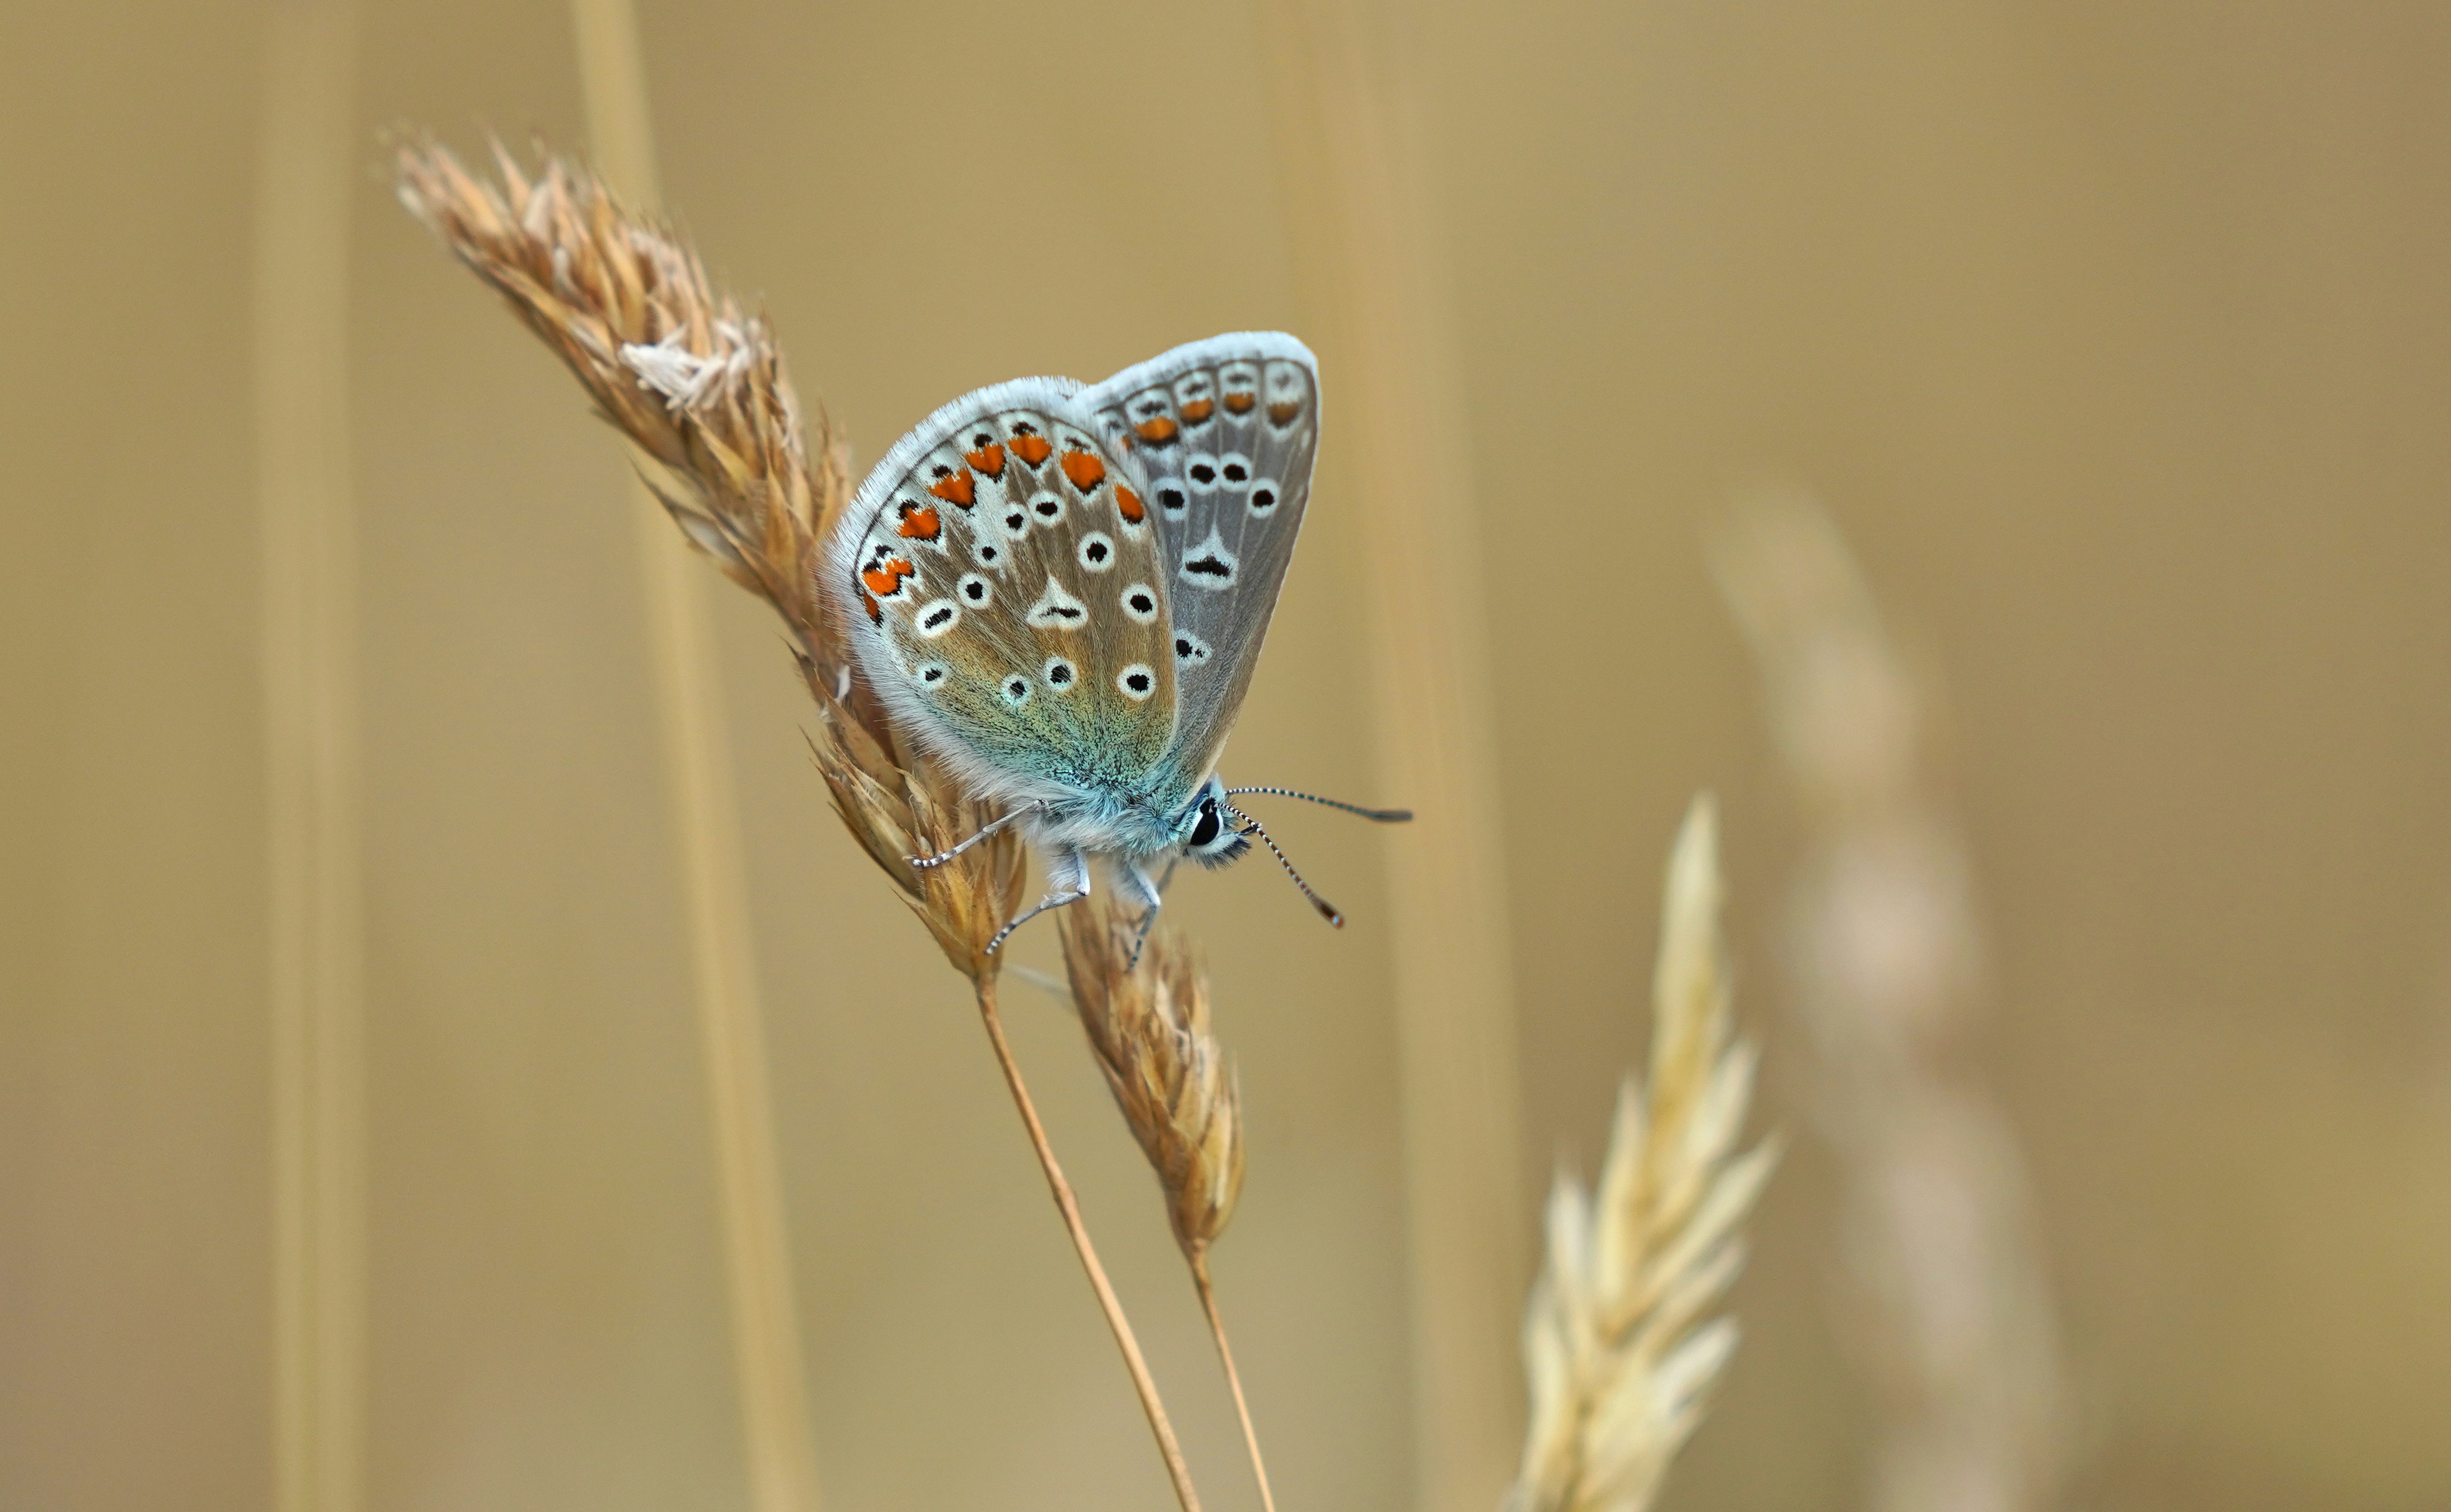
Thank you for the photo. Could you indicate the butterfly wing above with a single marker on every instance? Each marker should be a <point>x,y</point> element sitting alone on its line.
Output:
<point>1224,431</point>
<point>1006,598</point>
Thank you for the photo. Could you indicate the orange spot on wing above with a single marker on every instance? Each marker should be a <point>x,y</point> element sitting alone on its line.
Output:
<point>988,459</point>
<point>953,490</point>
<point>919,524</point>
<point>887,580</point>
<point>1240,403</point>
<point>1157,430</point>
<point>1283,414</point>
<point>875,616</point>
<point>1198,410</point>
<point>1031,449</point>
<point>1129,504</point>
<point>1086,471</point>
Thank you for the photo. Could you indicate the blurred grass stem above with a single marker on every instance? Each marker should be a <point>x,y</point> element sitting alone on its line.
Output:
<point>713,884</point>
<point>1360,163</point>
<point>314,852</point>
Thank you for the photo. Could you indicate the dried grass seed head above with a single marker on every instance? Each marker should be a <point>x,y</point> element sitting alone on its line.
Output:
<point>1148,1025</point>
<point>1615,1343</point>
<point>701,389</point>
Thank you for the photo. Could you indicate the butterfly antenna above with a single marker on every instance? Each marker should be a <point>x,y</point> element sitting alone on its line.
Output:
<point>1380,816</point>
<point>1251,826</point>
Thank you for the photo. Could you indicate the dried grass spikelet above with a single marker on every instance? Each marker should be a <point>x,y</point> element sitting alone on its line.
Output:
<point>1948,1296</point>
<point>1618,1358</point>
<point>1149,1028</point>
<point>700,388</point>
<point>897,807</point>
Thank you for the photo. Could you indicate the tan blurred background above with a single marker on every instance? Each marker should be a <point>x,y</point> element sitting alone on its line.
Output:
<point>2113,337</point>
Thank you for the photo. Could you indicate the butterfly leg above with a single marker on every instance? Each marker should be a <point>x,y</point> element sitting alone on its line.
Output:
<point>924,862</point>
<point>1133,882</point>
<point>1068,881</point>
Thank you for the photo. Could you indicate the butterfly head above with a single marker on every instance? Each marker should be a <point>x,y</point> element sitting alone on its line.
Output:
<point>1208,830</point>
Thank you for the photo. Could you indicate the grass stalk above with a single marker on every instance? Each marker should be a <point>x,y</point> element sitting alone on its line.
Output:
<point>1065,1203</point>
<point>1233,1377</point>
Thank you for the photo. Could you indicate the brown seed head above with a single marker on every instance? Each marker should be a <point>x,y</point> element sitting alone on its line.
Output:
<point>1617,1342</point>
<point>1148,1027</point>
<point>701,389</point>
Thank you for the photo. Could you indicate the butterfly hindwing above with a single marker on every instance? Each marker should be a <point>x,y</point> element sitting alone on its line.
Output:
<point>1224,431</point>
<point>1010,605</point>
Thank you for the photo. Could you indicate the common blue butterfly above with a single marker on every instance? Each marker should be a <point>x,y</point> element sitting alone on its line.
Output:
<point>1060,592</point>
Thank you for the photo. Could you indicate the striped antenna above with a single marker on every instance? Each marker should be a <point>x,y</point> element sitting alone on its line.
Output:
<point>1251,826</point>
<point>1380,816</point>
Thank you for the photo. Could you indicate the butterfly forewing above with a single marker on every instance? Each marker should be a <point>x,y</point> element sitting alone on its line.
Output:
<point>1012,601</point>
<point>1223,432</point>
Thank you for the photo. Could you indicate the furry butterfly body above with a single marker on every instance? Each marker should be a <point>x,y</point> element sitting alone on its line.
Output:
<point>1061,592</point>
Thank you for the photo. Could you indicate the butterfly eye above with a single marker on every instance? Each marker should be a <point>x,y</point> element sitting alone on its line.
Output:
<point>1204,832</point>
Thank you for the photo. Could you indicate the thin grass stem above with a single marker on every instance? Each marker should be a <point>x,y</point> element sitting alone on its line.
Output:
<point>1142,1381</point>
<point>1233,1377</point>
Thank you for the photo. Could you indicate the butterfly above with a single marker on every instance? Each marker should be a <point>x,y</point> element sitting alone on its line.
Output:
<point>1060,592</point>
